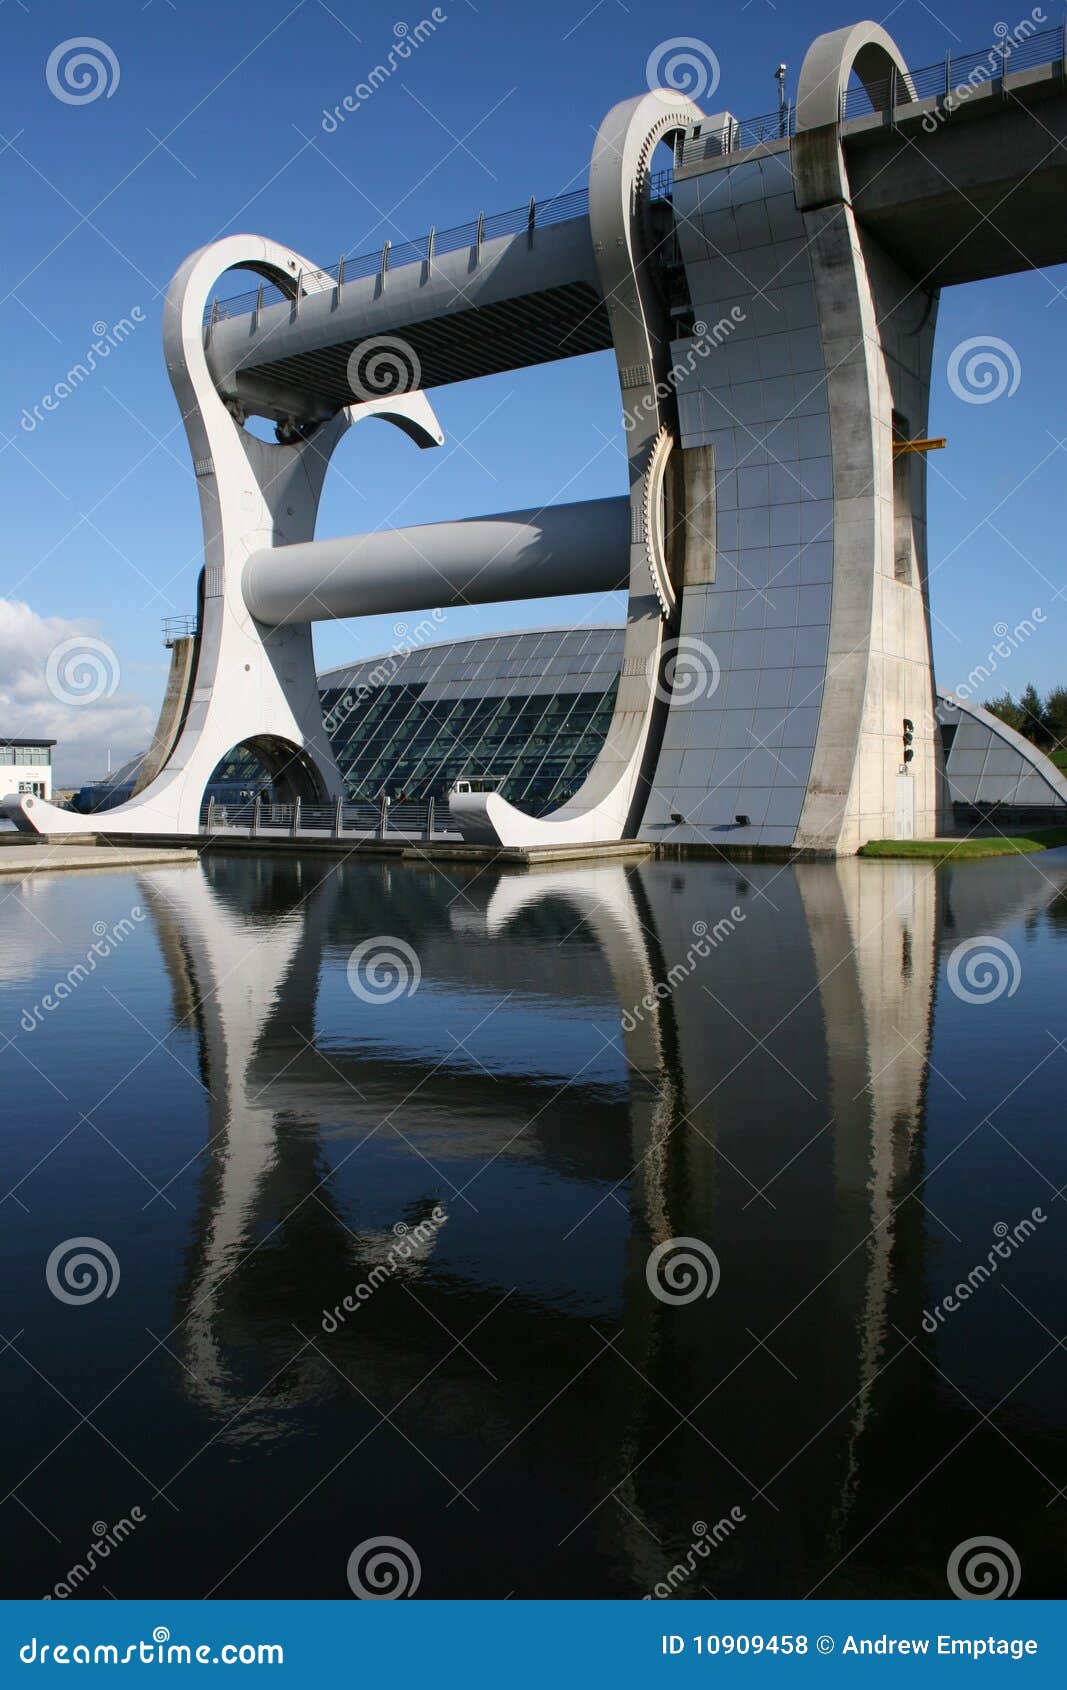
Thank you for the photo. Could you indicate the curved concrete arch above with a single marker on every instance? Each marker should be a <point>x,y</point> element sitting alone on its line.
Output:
<point>864,48</point>
<point>603,898</point>
<point>291,772</point>
<point>251,682</point>
<point>608,804</point>
<point>821,177</point>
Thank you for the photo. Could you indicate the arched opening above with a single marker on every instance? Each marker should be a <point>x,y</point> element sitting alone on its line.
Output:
<point>266,767</point>
<point>244,290</point>
<point>861,55</point>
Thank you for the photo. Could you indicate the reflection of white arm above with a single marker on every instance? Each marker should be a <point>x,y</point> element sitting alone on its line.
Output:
<point>600,897</point>
<point>238,968</point>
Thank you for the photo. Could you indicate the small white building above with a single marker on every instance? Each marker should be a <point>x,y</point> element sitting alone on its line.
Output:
<point>26,766</point>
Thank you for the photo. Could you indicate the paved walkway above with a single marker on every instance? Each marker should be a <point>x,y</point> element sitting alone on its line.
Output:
<point>46,858</point>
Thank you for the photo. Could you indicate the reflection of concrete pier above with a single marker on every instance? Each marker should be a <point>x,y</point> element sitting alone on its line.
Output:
<point>774,1113</point>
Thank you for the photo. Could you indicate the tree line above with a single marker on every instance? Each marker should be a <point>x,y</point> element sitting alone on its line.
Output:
<point>1043,721</point>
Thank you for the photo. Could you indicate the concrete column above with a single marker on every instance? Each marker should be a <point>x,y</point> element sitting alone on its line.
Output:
<point>808,645</point>
<point>172,711</point>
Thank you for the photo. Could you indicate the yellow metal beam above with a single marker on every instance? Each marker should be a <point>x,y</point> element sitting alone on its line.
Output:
<point>902,446</point>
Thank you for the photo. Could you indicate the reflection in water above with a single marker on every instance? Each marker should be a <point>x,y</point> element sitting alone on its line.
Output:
<point>414,1299</point>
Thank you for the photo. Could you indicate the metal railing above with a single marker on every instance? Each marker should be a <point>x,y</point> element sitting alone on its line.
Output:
<point>380,819</point>
<point>537,214</point>
<point>958,71</point>
<point>179,628</point>
<point>939,81</point>
<point>947,77</point>
<point>734,136</point>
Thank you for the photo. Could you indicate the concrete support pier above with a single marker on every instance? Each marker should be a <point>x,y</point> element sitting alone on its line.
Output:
<point>813,635</point>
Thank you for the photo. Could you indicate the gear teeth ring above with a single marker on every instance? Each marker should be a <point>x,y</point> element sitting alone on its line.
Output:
<point>652,501</point>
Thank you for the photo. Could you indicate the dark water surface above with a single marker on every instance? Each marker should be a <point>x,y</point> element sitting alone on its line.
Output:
<point>845,1105</point>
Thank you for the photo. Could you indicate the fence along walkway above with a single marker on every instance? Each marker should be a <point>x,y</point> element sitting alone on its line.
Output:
<point>951,78</point>
<point>538,214</point>
<point>1023,48</point>
<point>428,819</point>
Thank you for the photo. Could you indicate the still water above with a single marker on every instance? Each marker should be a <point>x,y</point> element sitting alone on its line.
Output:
<point>379,1168</point>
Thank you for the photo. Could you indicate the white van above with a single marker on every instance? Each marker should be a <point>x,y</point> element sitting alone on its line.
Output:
<point>467,783</point>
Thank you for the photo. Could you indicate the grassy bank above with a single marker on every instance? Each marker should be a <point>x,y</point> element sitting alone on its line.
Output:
<point>940,850</point>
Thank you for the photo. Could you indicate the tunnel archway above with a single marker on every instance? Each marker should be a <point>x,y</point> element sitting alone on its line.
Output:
<point>266,764</point>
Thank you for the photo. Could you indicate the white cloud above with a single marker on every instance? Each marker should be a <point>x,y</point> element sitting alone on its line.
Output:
<point>60,680</point>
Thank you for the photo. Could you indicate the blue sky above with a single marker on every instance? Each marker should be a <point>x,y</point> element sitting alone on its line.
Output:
<point>214,126</point>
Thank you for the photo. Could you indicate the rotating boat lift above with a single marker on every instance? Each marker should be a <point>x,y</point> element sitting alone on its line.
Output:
<point>772,530</point>
<point>266,578</point>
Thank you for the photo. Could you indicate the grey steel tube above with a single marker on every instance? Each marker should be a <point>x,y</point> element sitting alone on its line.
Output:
<point>579,548</point>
